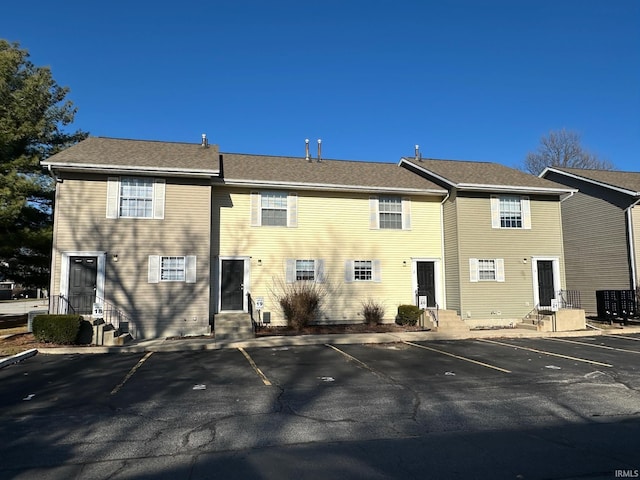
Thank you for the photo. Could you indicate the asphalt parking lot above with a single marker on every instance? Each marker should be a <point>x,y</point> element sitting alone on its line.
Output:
<point>521,408</point>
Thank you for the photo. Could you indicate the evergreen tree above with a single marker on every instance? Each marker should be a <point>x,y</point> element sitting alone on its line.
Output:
<point>33,117</point>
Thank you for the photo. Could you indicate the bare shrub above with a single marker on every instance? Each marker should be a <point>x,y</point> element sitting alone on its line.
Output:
<point>300,302</point>
<point>372,311</point>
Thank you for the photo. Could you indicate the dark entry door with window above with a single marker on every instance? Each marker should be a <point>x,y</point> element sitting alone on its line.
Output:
<point>232,285</point>
<point>546,288</point>
<point>83,276</point>
<point>427,282</point>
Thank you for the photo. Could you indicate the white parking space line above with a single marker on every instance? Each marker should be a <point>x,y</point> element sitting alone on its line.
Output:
<point>359,362</point>
<point>117,388</point>
<point>624,337</point>
<point>605,347</point>
<point>262,376</point>
<point>458,357</point>
<point>544,352</point>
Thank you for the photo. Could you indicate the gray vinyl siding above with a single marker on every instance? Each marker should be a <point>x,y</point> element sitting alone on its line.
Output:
<point>595,247</point>
<point>513,298</point>
<point>452,261</point>
<point>635,215</point>
<point>156,309</point>
<point>596,239</point>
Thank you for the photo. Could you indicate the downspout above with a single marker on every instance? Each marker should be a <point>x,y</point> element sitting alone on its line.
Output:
<point>444,273</point>
<point>632,248</point>
<point>53,174</point>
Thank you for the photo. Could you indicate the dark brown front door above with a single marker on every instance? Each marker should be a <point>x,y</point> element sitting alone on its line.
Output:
<point>232,287</point>
<point>83,275</point>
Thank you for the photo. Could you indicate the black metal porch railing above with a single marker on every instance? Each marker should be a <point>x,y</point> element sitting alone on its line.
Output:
<point>569,299</point>
<point>84,305</point>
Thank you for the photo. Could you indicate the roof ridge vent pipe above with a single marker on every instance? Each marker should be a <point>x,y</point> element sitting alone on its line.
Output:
<point>307,157</point>
<point>319,150</point>
<point>205,142</point>
<point>418,155</point>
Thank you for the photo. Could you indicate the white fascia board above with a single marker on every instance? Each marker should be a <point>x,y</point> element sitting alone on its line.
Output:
<point>471,187</point>
<point>331,187</point>
<point>589,180</point>
<point>428,172</point>
<point>109,169</point>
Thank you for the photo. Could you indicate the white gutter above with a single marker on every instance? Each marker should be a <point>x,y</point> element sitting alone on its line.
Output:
<point>79,167</point>
<point>329,187</point>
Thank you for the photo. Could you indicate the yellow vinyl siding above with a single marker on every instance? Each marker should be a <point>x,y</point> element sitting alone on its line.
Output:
<point>513,298</point>
<point>166,308</point>
<point>333,227</point>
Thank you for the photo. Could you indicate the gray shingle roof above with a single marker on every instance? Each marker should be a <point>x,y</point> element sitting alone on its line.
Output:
<point>626,180</point>
<point>263,169</point>
<point>466,175</point>
<point>110,154</point>
<point>118,154</point>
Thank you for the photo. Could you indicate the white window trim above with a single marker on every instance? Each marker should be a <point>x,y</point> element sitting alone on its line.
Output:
<point>256,209</point>
<point>349,271</point>
<point>474,270</point>
<point>374,213</point>
<point>525,212</point>
<point>157,202</point>
<point>155,262</point>
<point>291,270</point>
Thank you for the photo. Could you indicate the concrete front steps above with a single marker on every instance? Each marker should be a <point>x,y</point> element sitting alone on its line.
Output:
<point>448,322</point>
<point>564,320</point>
<point>233,327</point>
<point>106,334</point>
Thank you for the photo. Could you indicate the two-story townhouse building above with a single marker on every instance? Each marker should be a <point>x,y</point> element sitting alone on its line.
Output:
<point>172,234</point>
<point>363,230</point>
<point>601,225</point>
<point>502,229</point>
<point>132,231</point>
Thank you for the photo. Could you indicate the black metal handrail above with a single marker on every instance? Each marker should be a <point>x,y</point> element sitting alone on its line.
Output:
<point>59,304</point>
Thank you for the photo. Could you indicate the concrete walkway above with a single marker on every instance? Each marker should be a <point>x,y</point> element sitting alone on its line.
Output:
<point>208,343</point>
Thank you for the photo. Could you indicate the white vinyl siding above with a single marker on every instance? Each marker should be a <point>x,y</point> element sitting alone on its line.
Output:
<point>304,270</point>
<point>510,211</point>
<point>135,197</point>
<point>172,269</point>
<point>389,212</point>
<point>274,209</point>
<point>362,271</point>
<point>482,270</point>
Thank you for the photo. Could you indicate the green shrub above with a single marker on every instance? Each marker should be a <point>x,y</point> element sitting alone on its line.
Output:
<point>300,304</point>
<point>372,311</point>
<point>62,329</point>
<point>408,315</point>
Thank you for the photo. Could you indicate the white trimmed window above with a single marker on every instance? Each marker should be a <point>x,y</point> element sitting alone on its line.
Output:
<point>305,270</point>
<point>172,268</point>
<point>362,271</point>
<point>510,211</point>
<point>135,197</point>
<point>483,270</point>
<point>274,209</point>
<point>389,212</point>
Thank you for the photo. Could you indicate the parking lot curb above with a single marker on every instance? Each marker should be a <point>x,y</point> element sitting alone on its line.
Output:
<point>18,357</point>
<point>199,344</point>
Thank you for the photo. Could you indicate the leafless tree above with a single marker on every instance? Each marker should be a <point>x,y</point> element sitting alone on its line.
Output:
<point>562,149</point>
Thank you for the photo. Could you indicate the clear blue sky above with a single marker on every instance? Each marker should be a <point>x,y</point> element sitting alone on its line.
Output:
<point>465,79</point>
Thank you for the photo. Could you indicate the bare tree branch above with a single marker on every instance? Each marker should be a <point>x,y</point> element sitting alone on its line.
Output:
<point>562,149</point>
